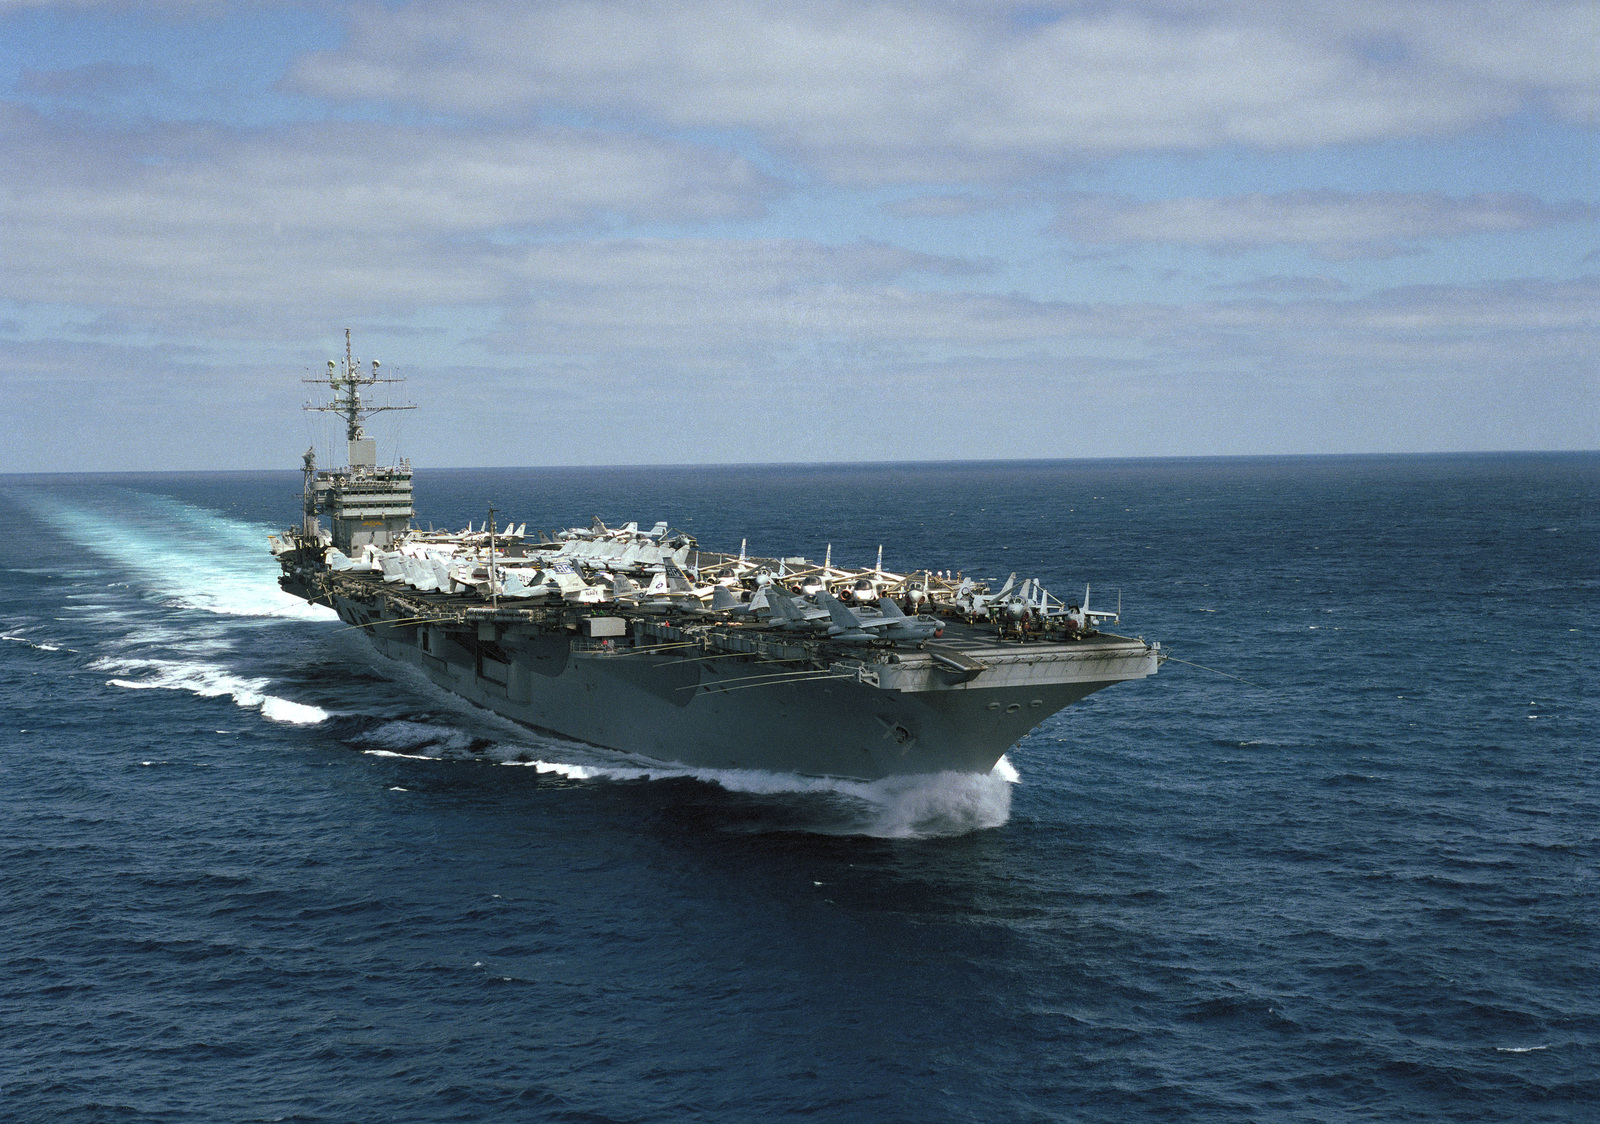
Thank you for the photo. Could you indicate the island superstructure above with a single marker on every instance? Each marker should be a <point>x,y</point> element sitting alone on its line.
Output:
<point>640,641</point>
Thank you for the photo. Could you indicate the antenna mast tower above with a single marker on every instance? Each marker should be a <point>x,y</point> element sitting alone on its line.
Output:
<point>368,505</point>
<point>347,380</point>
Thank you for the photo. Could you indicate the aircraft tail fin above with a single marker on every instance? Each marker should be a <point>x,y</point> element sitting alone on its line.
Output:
<point>722,599</point>
<point>676,582</point>
<point>783,605</point>
<point>841,614</point>
<point>890,609</point>
<point>441,575</point>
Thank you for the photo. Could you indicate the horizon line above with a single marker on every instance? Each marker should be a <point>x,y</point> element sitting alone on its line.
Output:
<point>840,463</point>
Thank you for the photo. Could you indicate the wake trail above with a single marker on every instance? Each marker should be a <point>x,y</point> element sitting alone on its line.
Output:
<point>184,555</point>
<point>193,558</point>
<point>196,576</point>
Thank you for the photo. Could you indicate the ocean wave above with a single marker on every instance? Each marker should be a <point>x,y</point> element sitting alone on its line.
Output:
<point>210,681</point>
<point>36,645</point>
<point>901,807</point>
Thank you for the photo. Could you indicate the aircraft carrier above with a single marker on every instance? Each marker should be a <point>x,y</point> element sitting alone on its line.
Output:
<point>639,641</point>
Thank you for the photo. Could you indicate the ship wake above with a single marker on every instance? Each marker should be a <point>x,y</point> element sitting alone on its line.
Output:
<point>902,807</point>
<point>182,555</point>
<point>208,681</point>
<point>749,800</point>
<point>187,558</point>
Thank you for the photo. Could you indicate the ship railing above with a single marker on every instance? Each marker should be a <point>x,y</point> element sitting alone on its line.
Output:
<point>600,645</point>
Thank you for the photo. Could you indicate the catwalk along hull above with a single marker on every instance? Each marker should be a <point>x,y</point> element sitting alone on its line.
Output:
<point>733,697</point>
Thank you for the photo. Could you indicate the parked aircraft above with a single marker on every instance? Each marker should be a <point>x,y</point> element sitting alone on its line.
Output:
<point>850,627</point>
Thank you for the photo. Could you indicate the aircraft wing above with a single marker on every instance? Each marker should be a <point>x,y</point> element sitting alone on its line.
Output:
<point>848,618</point>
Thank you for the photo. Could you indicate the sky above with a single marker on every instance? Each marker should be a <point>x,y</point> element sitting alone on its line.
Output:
<point>737,231</point>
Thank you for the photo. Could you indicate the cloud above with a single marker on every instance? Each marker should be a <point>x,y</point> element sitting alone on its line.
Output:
<point>183,221</point>
<point>559,209</point>
<point>265,234</point>
<point>942,206</point>
<point>915,90</point>
<point>1334,224</point>
<point>709,311</point>
<point>1286,286</point>
<point>99,79</point>
<point>656,372</point>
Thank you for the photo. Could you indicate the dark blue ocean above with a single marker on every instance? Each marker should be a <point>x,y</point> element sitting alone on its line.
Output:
<point>250,871</point>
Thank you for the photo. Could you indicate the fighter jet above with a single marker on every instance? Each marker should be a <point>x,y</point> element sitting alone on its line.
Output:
<point>724,600</point>
<point>1085,618</point>
<point>662,602</point>
<point>850,627</point>
<point>420,576</point>
<point>871,583</point>
<point>794,615</point>
<point>976,605</point>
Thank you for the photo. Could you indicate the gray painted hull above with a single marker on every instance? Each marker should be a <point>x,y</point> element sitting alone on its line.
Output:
<point>908,716</point>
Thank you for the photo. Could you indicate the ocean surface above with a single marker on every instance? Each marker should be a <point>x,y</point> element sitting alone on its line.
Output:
<point>251,871</point>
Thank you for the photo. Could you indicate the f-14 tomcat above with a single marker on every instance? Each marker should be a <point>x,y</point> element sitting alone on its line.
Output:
<point>641,642</point>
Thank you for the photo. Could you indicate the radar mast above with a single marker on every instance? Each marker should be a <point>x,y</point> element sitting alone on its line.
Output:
<point>368,505</point>
<point>347,380</point>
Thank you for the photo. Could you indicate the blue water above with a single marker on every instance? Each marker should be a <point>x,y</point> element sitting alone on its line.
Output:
<point>249,871</point>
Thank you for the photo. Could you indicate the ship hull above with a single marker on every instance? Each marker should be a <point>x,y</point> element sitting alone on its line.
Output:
<point>732,714</point>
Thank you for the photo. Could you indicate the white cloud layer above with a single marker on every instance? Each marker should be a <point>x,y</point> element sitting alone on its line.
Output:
<point>184,220</point>
<point>655,373</point>
<point>937,90</point>
<point>584,212</point>
<point>1336,224</point>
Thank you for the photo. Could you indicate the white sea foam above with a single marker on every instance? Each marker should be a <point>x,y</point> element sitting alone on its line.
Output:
<point>1519,1049</point>
<point>297,714</point>
<point>185,555</point>
<point>905,807</point>
<point>402,738</point>
<point>912,807</point>
<point>37,645</point>
<point>210,681</point>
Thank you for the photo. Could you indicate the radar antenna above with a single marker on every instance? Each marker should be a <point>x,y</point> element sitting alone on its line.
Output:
<point>347,380</point>
<point>369,506</point>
